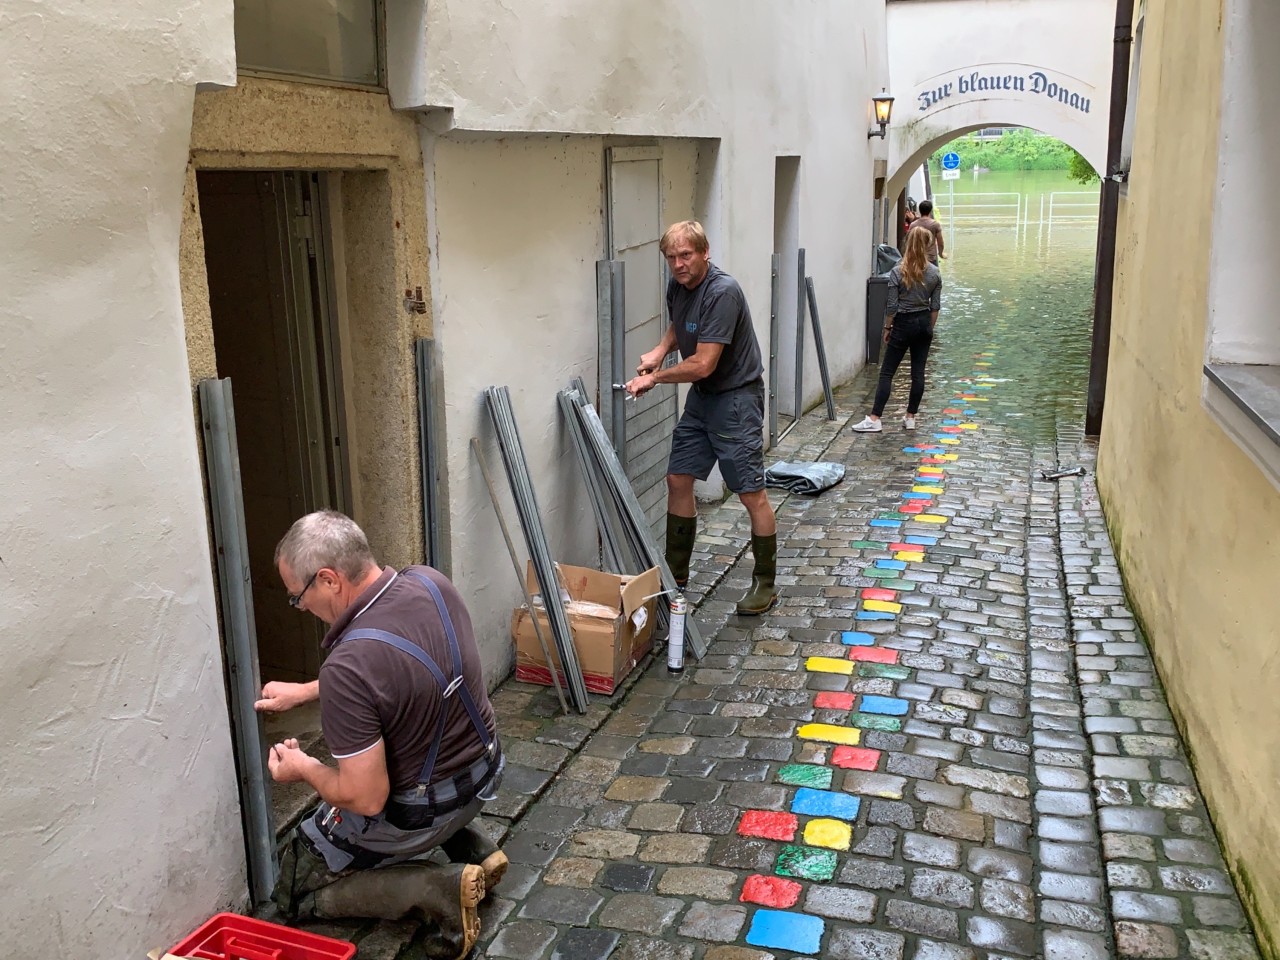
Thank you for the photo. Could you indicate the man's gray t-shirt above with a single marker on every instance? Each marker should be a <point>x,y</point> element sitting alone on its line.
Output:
<point>715,311</point>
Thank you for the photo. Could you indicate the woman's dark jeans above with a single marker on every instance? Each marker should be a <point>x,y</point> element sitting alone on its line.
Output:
<point>914,332</point>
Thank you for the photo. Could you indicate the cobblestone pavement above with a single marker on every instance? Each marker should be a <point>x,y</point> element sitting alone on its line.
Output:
<point>947,741</point>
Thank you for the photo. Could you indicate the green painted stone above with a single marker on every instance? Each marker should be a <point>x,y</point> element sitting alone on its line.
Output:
<point>872,721</point>
<point>806,775</point>
<point>889,671</point>
<point>878,573</point>
<point>868,544</point>
<point>899,584</point>
<point>806,863</point>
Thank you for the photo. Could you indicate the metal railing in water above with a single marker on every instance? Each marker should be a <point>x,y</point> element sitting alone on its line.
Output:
<point>1014,210</point>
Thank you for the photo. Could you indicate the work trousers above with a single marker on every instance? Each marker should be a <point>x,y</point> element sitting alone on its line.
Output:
<point>913,332</point>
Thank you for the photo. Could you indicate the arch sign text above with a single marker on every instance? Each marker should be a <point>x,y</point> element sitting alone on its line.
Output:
<point>991,80</point>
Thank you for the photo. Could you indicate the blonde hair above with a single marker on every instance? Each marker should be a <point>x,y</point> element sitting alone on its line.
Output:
<point>915,262</point>
<point>690,230</point>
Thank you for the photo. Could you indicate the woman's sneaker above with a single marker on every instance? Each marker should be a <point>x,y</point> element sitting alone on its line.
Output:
<point>909,422</point>
<point>868,426</point>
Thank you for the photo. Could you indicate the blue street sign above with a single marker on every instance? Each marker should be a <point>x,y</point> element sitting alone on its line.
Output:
<point>951,161</point>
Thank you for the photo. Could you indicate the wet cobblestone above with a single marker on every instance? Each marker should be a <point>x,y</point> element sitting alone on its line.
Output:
<point>988,770</point>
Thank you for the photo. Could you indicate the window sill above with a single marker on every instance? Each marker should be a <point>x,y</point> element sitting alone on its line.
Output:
<point>1245,400</point>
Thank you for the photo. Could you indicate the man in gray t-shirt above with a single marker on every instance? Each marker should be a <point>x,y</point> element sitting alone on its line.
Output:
<point>723,419</point>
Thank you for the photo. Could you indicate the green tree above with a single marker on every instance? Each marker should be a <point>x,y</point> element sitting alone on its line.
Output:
<point>1080,170</point>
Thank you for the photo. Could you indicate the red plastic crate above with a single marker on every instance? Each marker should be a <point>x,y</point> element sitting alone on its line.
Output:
<point>229,936</point>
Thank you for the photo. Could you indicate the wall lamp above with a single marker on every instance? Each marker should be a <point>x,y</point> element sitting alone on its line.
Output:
<point>884,110</point>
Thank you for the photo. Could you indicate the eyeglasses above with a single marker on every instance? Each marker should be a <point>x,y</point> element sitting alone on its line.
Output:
<point>295,599</point>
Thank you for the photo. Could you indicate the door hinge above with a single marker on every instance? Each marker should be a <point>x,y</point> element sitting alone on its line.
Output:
<point>304,229</point>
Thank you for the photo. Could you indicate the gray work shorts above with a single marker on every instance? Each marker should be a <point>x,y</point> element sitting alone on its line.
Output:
<point>725,428</point>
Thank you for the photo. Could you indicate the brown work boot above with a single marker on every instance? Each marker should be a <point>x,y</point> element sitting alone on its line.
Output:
<point>470,845</point>
<point>762,595</point>
<point>681,534</point>
<point>447,896</point>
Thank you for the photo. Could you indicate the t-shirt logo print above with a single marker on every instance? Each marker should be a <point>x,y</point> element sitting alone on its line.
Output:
<point>691,326</point>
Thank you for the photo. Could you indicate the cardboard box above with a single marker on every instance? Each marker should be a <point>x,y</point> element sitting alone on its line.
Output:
<point>605,637</point>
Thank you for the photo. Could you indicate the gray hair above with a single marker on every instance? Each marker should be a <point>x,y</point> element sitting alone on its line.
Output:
<point>326,538</point>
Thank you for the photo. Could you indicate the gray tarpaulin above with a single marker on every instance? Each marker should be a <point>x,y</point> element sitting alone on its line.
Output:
<point>800,477</point>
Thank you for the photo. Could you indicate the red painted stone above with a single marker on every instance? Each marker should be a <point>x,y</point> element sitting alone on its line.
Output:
<point>956,410</point>
<point>770,891</point>
<point>912,506</point>
<point>855,758</point>
<point>880,593</point>
<point>932,460</point>
<point>873,654</point>
<point>833,701</point>
<point>769,824</point>
<point>952,430</point>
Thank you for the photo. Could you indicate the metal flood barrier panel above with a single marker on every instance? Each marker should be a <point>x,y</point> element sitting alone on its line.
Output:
<point>632,319</point>
<point>240,644</point>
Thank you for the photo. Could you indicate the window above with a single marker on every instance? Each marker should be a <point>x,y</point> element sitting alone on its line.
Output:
<point>1241,387</point>
<point>316,39</point>
<point>1135,69</point>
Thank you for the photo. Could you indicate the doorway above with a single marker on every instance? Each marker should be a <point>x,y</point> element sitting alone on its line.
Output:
<point>786,246</point>
<point>268,255</point>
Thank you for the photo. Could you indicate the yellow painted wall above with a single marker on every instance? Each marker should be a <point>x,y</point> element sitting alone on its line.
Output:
<point>277,125</point>
<point>1195,523</point>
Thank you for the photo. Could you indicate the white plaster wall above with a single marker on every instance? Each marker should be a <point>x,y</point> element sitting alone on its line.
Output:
<point>936,43</point>
<point>515,234</point>
<point>119,816</point>
<point>749,82</point>
<point>1243,285</point>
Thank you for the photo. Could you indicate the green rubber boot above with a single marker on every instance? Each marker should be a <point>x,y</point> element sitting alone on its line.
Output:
<point>681,532</point>
<point>762,595</point>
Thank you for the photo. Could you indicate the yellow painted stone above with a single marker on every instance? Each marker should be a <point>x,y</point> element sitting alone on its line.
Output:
<point>949,457</point>
<point>884,606</point>
<point>982,363</point>
<point>832,834</point>
<point>830,733</point>
<point>926,489</point>
<point>930,518</point>
<point>978,400</point>
<point>910,558</point>
<point>829,665</point>
<point>950,441</point>
<point>932,471</point>
<point>968,426</point>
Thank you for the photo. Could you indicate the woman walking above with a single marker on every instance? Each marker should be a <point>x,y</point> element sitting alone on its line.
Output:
<point>915,296</point>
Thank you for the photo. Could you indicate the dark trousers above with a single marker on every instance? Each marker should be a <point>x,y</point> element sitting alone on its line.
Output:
<point>914,332</point>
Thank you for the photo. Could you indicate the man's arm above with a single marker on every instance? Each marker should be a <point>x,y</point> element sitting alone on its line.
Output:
<point>937,237</point>
<point>652,360</point>
<point>359,784</point>
<point>278,696</point>
<point>690,370</point>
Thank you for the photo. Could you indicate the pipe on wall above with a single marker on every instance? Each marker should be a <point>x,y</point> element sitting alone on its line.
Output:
<point>1104,274</point>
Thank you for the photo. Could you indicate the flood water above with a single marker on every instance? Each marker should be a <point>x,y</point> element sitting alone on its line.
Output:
<point>1018,275</point>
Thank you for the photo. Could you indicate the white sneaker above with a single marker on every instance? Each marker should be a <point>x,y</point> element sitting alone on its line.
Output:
<point>868,426</point>
<point>909,422</point>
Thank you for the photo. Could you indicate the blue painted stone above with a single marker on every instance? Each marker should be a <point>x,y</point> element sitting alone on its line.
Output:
<point>886,523</point>
<point>825,803</point>
<point>874,615</point>
<point>784,930</point>
<point>891,564</point>
<point>853,638</point>
<point>970,413</point>
<point>952,423</point>
<point>922,541</point>
<point>890,706</point>
<point>912,450</point>
<point>917,496</point>
<point>944,436</point>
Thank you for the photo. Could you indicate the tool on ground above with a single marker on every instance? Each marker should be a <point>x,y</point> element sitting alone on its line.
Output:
<point>624,529</point>
<point>515,565</point>
<point>499,403</point>
<point>1076,471</point>
<point>675,634</point>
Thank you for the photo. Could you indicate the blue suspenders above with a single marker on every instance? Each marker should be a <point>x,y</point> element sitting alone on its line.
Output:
<point>448,687</point>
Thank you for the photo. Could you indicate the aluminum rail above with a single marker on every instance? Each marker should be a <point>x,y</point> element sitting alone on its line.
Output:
<point>239,635</point>
<point>821,348</point>
<point>629,507</point>
<point>515,566</point>
<point>513,458</point>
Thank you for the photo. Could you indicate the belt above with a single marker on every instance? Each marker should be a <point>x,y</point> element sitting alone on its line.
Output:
<point>416,809</point>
